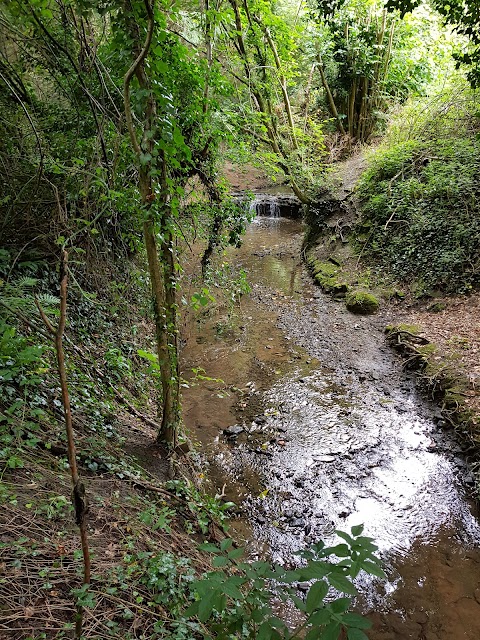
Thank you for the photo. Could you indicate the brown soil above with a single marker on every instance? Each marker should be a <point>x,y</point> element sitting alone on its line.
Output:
<point>245,177</point>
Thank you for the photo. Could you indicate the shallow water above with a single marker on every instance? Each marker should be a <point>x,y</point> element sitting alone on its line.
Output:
<point>335,435</point>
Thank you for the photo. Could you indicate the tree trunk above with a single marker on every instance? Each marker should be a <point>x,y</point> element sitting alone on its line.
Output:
<point>162,273</point>
<point>331,101</point>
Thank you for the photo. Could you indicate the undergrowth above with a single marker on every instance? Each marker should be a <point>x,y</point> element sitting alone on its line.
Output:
<point>163,565</point>
<point>420,195</point>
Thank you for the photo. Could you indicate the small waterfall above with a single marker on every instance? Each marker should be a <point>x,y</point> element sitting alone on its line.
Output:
<point>274,209</point>
<point>272,206</point>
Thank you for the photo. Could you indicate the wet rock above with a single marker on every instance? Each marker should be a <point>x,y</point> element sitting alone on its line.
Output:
<point>298,523</point>
<point>260,419</point>
<point>264,452</point>
<point>261,519</point>
<point>233,431</point>
<point>303,586</point>
<point>401,408</point>
<point>325,458</point>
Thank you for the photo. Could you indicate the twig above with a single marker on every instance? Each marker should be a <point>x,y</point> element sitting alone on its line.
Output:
<point>79,497</point>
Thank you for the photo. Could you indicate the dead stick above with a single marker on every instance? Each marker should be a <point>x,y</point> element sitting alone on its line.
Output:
<point>79,497</point>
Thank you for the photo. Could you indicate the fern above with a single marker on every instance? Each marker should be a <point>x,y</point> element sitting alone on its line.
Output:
<point>19,295</point>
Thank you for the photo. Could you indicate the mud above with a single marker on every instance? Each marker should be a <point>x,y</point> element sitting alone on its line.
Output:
<point>333,434</point>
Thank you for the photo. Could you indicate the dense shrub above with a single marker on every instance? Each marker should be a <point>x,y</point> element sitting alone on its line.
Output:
<point>420,195</point>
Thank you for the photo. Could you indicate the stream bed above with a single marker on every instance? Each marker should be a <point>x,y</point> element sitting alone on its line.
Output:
<point>325,430</point>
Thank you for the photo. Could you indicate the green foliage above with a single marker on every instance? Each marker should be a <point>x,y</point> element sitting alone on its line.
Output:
<point>371,60</point>
<point>463,16</point>
<point>22,369</point>
<point>203,507</point>
<point>420,195</point>
<point>238,603</point>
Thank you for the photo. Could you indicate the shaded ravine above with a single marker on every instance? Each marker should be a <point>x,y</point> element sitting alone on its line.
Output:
<point>333,433</point>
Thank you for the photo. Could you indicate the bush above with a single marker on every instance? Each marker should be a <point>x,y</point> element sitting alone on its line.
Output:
<point>420,196</point>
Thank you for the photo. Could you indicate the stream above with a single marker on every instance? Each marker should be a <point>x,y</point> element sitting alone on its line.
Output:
<point>325,430</point>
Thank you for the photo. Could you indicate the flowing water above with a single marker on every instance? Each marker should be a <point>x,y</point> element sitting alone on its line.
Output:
<point>330,432</point>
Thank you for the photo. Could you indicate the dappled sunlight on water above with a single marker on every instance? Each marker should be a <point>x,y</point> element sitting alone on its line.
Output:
<point>333,434</point>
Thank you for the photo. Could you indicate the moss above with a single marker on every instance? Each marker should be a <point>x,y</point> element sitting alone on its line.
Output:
<point>409,328</point>
<point>427,350</point>
<point>436,307</point>
<point>361,302</point>
<point>325,275</point>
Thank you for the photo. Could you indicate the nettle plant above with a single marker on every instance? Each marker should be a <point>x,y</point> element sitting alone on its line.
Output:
<point>235,599</point>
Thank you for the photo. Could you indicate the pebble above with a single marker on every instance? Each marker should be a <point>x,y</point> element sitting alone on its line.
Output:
<point>233,431</point>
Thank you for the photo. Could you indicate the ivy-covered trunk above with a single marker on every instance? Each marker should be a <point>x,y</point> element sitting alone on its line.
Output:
<point>156,223</point>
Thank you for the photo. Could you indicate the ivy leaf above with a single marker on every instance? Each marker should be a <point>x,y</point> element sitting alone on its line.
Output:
<point>145,158</point>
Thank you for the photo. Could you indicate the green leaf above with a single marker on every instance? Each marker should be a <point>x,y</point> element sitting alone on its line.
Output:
<point>206,605</point>
<point>345,536</point>
<point>298,602</point>
<point>356,634</point>
<point>236,553</point>
<point>232,591</point>
<point>357,530</point>
<point>226,544</point>
<point>341,605</point>
<point>267,632</point>
<point>316,594</point>
<point>331,632</point>
<point>373,569</point>
<point>320,617</point>
<point>220,561</point>
<point>315,570</point>
<point>356,620</point>
<point>340,550</point>
<point>341,583</point>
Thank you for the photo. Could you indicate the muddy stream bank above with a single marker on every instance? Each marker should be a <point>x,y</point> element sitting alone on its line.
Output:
<point>328,431</point>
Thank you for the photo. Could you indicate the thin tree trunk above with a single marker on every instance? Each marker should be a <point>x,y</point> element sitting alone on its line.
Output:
<point>351,108</point>
<point>283,85</point>
<point>78,494</point>
<point>331,101</point>
<point>161,274</point>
